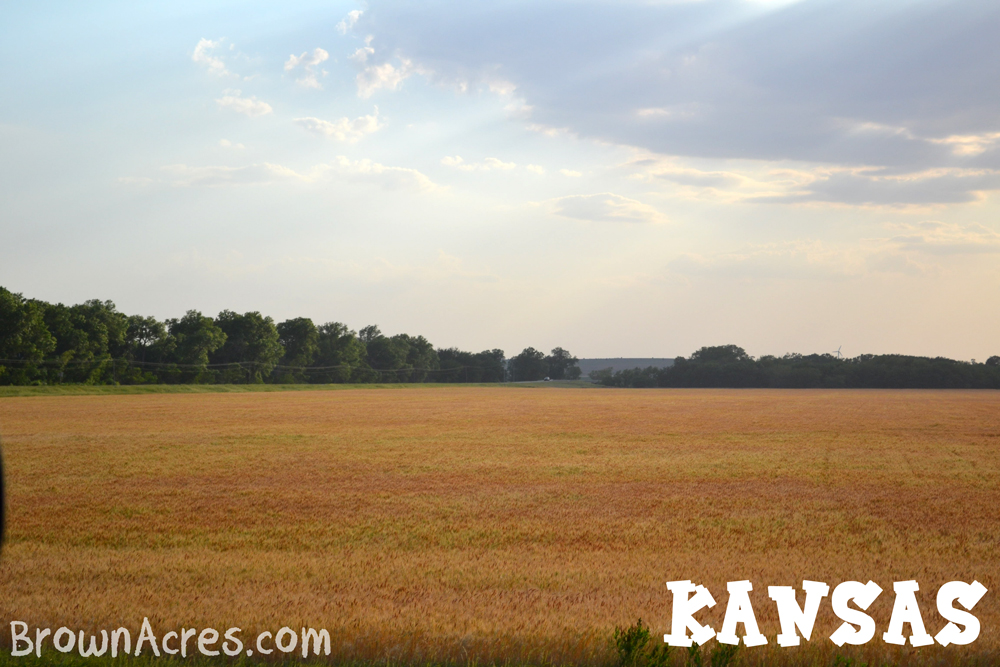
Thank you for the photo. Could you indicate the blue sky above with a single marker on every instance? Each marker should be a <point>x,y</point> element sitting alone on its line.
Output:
<point>617,178</point>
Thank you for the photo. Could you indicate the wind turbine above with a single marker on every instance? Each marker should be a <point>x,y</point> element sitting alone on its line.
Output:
<point>837,352</point>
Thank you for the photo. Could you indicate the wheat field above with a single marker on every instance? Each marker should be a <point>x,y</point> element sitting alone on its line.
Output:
<point>491,524</point>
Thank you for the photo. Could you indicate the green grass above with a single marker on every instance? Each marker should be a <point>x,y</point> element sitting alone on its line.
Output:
<point>108,390</point>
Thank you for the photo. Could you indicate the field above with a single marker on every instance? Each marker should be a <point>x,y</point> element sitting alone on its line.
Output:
<point>463,523</point>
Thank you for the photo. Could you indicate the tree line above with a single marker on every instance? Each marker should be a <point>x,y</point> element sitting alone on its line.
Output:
<point>94,343</point>
<point>731,366</point>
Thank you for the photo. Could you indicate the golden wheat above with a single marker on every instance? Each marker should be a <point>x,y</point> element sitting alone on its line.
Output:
<point>488,523</point>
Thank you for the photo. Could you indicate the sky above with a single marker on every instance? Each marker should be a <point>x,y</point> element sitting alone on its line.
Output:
<point>630,178</point>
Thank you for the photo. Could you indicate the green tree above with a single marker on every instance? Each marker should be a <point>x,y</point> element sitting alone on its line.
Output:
<point>142,334</point>
<point>300,340</point>
<point>562,365</point>
<point>388,357</point>
<point>721,354</point>
<point>24,338</point>
<point>421,357</point>
<point>530,365</point>
<point>251,342</point>
<point>195,337</point>
<point>146,340</point>
<point>88,336</point>
<point>455,365</point>
<point>340,356</point>
<point>369,333</point>
<point>459,366</point>
<point>491,366</point>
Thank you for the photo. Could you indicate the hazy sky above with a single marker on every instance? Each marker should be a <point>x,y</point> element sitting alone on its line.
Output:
<point>618,178</point>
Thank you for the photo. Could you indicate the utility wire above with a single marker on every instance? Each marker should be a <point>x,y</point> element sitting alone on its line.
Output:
<point>58,363</point>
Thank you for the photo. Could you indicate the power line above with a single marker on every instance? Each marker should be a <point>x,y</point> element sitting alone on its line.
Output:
<point>249,365</point>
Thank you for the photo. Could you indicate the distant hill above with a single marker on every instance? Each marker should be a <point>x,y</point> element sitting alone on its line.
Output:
<point>620,364</point>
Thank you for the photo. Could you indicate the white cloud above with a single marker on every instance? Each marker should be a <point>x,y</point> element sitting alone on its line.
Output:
<point>626,73</point>
<point>226,143</point>
<point>203,55</point>
<point>501,87</point>
<point>342,129</point>
<point>363,53</point>
<point>570,173</point>
<point>536,169</point>
<point>604,207</point>
<point>944,238</point>
<point>518,109</point>
<point>348,21</point>
<point>764,182</point>
<point>704,179</point>
<point>733,183</point>
<point>215,176</point>
<point>488,164</point>
<point>306,60</point>
<point>372,270</point>
<point>374,77</point>
<point>266,173</point>
<point>791,260</point>
<point>969,144</point>
<point>674,112</point>
<point>309,63</point>
<point>494,163</point>
<point>873,186</point>
<point>916,250</point>
<point>249,106</point>
<point>391,178</point>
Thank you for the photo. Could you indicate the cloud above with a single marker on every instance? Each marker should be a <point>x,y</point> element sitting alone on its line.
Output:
<point>372,270</point>
<point>751,181</point>
<point>605,207</point>
<point>348,21</point>
<point>249,106</point>
<point>265,173</point>
<point>449,268</point>
<point>368,171</point>
<point>570,173</point>
<point>713,79</point>
<point>971,144</point>
<point>702,179</point>
<point>675,112</point>
<point>800,260</point>
<point>916,249</point>
<point>385,75</point>
<point>791,260</point>
<point>735,181</point>
<point>880,187</point>
<point>536,169</point>
<point>494,163</point>
<point>309,63</point>
<point>942,238</point>
<point>374,76</point>
<point>501,87</point>
<point>488,164</point>
<point>216,176</point>
<point>342,129</point>
<point>226,143</point>
<point>203,55</point>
